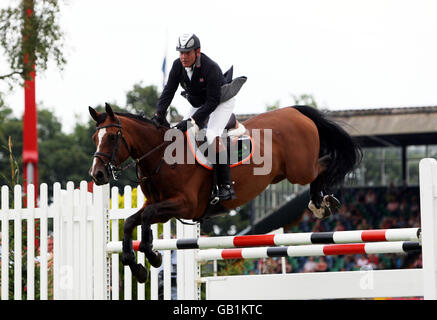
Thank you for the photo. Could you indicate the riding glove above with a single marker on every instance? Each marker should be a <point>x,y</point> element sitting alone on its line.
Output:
<point>160,121</point>
<point>183,125</point>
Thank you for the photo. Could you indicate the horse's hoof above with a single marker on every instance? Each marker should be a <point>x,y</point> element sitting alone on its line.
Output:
<point>326,213</point>
<point>140,273</point>
<point>331,202</point>
<point>318,212</point>
<point>155,259</point>
<point>128,258</point>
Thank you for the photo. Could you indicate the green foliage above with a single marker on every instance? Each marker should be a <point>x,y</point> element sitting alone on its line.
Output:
<point>10,147</point>
<point>273,106</point>
<point>303,99</point>
<point>134,199</point>
<point>37,37</point>
<point>143,99</point>
<point>233,267</point>
<point>62,157</point>
<point>14,177</point>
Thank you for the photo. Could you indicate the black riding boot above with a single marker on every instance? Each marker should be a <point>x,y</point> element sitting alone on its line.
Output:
<point>225,188</point>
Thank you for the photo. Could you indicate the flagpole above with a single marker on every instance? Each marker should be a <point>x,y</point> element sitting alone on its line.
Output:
<point>164,62</point>
<point>164,67</point>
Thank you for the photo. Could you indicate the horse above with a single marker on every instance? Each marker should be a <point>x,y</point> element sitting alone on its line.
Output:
<point>306,148</point>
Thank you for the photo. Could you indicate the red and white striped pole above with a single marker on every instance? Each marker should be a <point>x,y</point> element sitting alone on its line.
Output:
<point>309,250</point>
<point>286,239</point>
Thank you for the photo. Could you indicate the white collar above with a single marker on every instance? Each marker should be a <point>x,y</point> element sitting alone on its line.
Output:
<point>189,71</point>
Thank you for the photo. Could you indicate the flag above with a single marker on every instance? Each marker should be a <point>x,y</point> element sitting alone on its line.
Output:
<point>164,71</point>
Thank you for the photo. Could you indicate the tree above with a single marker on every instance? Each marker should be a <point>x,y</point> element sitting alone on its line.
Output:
<point>63,157</point>
<point>144,99</point>
<point>303,99</point>
<point>11,137</point>
<point>37,36</point>
<point>273,106</point>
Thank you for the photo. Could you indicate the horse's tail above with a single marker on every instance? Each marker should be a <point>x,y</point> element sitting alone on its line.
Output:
<point>345,154</point>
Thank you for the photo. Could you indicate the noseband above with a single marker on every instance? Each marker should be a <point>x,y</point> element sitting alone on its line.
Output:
<point>111,167</point>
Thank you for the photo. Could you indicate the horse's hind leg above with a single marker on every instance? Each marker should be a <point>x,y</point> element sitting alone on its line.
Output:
<point>322,205</point>
<point>328,200</point>
<point>316,199</point>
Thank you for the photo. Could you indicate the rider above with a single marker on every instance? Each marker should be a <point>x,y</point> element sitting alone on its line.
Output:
<point>202,80</point>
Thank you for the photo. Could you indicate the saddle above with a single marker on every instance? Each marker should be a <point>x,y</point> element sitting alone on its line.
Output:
<point>239,143</point>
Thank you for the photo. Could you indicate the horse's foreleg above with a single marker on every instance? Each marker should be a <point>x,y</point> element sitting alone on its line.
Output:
<point>159,212</point>
<point>146,244</point>
<point>128,254</point>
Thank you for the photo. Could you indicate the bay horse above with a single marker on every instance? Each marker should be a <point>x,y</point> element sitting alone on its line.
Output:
<point>306,148</point>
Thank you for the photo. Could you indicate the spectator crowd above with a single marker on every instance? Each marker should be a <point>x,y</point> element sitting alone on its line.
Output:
<point>362,209</point>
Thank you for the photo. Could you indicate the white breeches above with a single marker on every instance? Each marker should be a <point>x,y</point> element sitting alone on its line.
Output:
<point>218,119</point>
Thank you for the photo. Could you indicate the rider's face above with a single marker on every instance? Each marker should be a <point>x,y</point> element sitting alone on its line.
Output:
<point>187,58</point>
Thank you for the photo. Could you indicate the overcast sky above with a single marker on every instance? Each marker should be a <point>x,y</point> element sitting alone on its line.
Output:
<point>348,54</point>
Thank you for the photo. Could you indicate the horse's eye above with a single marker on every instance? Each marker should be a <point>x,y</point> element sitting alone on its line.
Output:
<point>112,137</point>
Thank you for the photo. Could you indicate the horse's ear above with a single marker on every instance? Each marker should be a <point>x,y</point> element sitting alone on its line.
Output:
<point>109,111</point>
<point>94,114</point>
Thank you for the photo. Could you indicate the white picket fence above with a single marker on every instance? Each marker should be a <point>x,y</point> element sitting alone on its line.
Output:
<point>81,223</point>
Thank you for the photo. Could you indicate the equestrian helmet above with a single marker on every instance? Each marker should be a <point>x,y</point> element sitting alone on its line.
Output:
<point>188,42</point>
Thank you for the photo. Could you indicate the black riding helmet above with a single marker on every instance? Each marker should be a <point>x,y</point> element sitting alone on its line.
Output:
<point>188,42</point>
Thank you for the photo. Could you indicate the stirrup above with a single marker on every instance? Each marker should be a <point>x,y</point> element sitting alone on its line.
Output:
<point>215,200</point>
<point>229,190</point>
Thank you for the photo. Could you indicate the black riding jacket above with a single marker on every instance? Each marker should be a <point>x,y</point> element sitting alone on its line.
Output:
<point>203,91</point>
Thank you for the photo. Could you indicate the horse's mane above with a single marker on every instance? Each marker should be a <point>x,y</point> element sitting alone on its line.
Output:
<point>138,117</point>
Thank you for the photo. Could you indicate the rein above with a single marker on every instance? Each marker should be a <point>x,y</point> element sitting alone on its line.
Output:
<point>137,161</point>
<point>111,166</point>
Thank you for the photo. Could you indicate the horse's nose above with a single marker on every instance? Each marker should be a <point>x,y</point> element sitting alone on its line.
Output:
<point>100,177</point>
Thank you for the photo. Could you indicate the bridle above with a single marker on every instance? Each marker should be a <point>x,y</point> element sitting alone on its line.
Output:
<point>111,166</point>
